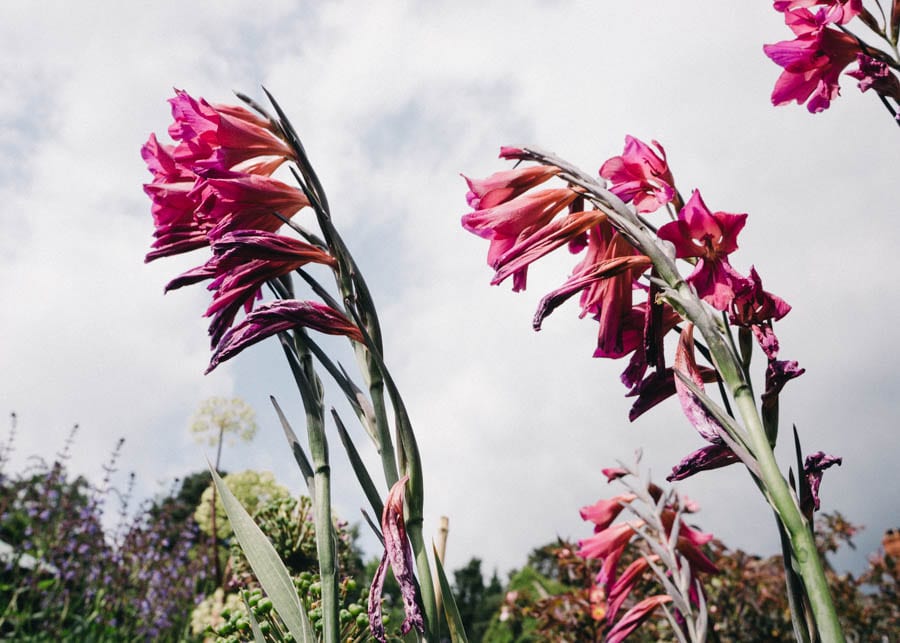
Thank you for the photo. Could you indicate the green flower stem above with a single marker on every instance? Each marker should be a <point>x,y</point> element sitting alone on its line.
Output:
<point>728,364</point>
<point>311,393</point>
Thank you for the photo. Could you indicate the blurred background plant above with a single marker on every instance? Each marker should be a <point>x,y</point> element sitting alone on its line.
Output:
<point>66,575</point>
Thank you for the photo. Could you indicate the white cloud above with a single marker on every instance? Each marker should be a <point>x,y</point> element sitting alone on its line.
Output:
<point>393,101</point>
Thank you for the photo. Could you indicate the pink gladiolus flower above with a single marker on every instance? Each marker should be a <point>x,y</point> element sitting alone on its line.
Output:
<point>710,237</point>
<point>640,175</point>
<point>174,201</point>
<point>282,315</point>
<point>221,137</point>
<point>812,62</point>
<point>501,187</point>
<point>634,617</point>
<point>398,554</point>
<point>620,590</point>
<point>506,223</point>
<point>756,309</point>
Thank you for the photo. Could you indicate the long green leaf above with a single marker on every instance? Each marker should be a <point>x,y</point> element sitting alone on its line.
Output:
<point>359,467</point>
<point>299,454</point>
<point>266,564</point>
<point>454,620</point>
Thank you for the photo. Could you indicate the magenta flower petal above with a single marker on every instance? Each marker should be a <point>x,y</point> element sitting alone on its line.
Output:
<point>813,61</point>
<point>640,175</point>
<point>710,237</point>
<point>501,187</point>
<point>397,553</point>
<point>713,456</point>
<point>624,584</point>
<point>279,316</point>
<point>706,425</point>
<point>543,241</point>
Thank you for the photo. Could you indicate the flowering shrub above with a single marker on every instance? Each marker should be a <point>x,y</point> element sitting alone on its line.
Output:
<point>69,578</point>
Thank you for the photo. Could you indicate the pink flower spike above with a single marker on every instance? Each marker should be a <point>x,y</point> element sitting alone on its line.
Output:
<point>500,187</point>
<point>397,553</point>
<point>634,617</point>
<point>640,175</point>
<point>279,316</point>
<point>710,237</point>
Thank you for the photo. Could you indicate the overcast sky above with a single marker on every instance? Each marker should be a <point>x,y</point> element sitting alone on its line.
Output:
<point>394,100</point>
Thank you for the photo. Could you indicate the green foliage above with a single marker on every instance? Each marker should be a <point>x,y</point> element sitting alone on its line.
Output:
<point>253,489</point>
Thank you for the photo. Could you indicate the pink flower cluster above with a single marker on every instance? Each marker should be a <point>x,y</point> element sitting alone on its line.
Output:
<point>214,188</point>
<point>524,224</point>
<point>821,50</point>
<point>609,543</point>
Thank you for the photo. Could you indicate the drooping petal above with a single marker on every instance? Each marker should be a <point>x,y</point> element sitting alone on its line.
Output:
<point>625,583</point>
<point>813,468</point>
<point>713,456</point>
<point>707,426</point>
<point>543,241</point>
<point>398,553</point>
<point>500,187</point>
<point>604,511</point>
<point>279,316</point>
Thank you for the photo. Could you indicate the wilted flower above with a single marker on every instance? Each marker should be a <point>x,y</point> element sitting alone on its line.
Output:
<point>242,262</point>
<point>874,74</point>
<point>285,314</point>
<point>813,468</point>
<point>398,554</point>
<point>755,308</point>
<point>717,454</point>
